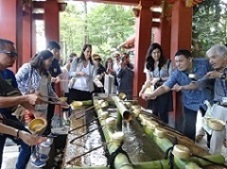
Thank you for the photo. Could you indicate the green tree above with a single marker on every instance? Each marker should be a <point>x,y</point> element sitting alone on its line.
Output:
<point>209,25</point>
<point>104,26</point>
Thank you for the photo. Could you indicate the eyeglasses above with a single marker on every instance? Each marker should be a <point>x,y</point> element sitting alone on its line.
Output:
<point>11,54</point>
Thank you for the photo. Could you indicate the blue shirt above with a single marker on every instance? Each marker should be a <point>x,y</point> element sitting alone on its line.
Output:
<point>9,76</point>
<point>8,87</point>
<point>192,99</point>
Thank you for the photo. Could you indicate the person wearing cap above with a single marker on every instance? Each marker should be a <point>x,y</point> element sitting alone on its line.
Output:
<point>116,61</point>
<point>100,72</point>
<point>10,98</point>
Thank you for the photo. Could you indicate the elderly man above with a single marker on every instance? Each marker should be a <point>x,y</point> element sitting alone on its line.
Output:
<point>10,98</point>
<point>180,80</point>
<point>217,55</point>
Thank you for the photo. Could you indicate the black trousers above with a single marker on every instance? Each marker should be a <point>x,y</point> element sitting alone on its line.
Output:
<point>189,123</point>
<point>78,95</point>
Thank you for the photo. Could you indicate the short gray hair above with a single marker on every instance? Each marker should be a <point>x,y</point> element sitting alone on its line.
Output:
<point>220,50</point>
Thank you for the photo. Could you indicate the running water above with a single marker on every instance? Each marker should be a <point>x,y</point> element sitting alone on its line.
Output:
<point>138,146</point>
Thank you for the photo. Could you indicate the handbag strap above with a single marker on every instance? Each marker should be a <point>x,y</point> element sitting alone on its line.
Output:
<point>30,79</point>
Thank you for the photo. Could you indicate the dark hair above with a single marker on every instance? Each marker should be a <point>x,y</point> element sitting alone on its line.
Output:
<point>82,57</point>
<point>149,59</point>
<point>3,43</point>
<point>106,62</point>
<point>184,52</point>
<point>73,55</point>
<point>53,45</point>
<point>38,59</point>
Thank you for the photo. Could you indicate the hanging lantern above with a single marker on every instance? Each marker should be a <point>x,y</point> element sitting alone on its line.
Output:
<point>136,10</point>
<point>191,3</point>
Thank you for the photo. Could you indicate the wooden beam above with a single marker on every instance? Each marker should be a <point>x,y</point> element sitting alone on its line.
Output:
<point>37,16</point>
<point>155,24</point>
<point>125,2</point>
<point>38,4</point>
<point>156,14</point>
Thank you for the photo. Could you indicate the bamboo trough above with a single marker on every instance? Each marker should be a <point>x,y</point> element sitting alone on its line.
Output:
<point>162,135</point>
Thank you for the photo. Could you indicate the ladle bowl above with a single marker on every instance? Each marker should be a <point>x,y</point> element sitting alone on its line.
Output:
<point>181,151</point>
<point>37,126</point>
<point>76,105</point>
<point>215,124</point>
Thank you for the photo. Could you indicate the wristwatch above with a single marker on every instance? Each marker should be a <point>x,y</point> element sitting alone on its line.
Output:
<point>223,76</point>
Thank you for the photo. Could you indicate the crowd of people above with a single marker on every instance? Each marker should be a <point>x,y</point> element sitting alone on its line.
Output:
<point>33,87</point>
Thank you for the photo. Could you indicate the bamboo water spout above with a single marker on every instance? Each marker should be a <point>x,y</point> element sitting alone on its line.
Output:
<point>125,113</point>
<point>114,139</point>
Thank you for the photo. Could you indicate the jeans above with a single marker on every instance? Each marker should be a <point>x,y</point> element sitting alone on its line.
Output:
<point>189,123</point>
<point>25,150</point>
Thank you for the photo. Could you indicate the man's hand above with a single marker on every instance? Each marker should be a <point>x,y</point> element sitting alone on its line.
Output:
<point>32,99</point>
<point>177,88</point>
<point>213,74</point>
<point>29,139</point>
<point>155,80</point>
<point>148,96</point>
<point>55,79</point>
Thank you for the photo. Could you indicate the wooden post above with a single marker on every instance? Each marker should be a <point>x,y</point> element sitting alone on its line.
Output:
<point>27,35</point>
<point>142,42</point>
<point>181,33</point>
<point>51,19</point>
<point>11,27</point>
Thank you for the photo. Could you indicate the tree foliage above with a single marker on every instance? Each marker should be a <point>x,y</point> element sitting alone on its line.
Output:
<point>209,25</point>
<point>102,25</point>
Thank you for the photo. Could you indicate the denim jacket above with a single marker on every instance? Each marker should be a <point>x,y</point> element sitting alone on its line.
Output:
<point>28,80</point>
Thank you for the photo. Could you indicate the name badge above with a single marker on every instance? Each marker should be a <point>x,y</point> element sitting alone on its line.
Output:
<point>224,99</point>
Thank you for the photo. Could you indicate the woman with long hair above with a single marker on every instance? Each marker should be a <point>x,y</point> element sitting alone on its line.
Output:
<point>35,77</point>
<point>158,69</point>
<point>82,73</point>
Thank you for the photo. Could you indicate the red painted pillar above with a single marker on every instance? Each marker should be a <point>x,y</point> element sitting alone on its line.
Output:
<point>51,19</point>
<point>51,22</point>
<point>27,35</point>
<point>10,21</point>
<point>181,33</point>
<point>162,35</point>
<point>165,35</point>
<point>33,38</point>
<point>142,42</point>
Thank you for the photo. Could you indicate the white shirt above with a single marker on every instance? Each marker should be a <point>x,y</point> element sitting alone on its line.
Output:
<point>82,81</point>
<point>65,77</point>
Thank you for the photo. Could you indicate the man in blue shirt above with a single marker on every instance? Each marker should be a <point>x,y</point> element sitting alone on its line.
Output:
<point>187,70</point>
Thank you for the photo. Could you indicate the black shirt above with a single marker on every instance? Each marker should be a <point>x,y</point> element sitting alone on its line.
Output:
<point>55,68</point>
<point>7,90</point>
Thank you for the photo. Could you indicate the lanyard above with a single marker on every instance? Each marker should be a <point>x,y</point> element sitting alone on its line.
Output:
<point>223,85</point>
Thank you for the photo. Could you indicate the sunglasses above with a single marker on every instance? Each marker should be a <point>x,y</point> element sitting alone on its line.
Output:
<point>11,54</point>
